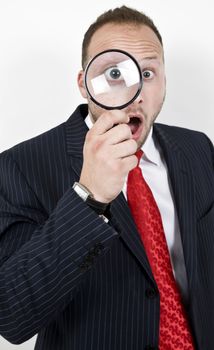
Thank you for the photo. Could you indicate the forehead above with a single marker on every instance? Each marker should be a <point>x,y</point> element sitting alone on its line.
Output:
<point>138,40</point>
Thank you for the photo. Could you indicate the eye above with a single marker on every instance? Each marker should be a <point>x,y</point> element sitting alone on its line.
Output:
<point>148,74</point>
<point>113,73</point>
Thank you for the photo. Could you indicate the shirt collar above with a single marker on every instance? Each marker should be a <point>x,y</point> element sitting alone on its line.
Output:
<point>150,151</point>
<point>88,121</point>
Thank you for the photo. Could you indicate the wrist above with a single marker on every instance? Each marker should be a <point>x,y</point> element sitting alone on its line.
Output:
<point>88,197</point>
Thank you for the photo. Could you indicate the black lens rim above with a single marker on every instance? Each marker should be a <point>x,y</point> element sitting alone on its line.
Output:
<point>140,83</point>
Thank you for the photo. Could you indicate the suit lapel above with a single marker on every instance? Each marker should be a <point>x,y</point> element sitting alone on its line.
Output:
<point>76,130</point>
<point>121,215</point>
<point>182,181</point>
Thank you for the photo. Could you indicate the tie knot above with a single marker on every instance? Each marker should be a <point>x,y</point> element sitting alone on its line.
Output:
<point>139,154</point>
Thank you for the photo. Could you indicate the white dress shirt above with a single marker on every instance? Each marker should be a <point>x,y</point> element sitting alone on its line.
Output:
<point>155,173</point>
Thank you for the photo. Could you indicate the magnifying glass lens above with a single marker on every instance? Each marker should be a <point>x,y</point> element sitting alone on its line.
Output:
<point>113,79</point>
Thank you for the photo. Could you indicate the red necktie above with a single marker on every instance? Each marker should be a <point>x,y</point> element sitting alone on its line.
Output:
<point>174,332</point>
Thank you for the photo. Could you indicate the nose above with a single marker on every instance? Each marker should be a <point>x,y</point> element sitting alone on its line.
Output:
<point>139,98</point>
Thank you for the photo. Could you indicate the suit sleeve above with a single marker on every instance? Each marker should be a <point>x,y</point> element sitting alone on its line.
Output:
<point>43,259</point>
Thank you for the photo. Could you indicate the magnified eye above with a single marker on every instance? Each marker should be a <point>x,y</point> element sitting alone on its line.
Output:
<point>113,73</point>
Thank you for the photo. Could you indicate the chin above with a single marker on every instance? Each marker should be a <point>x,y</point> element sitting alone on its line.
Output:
<point>140,141</point>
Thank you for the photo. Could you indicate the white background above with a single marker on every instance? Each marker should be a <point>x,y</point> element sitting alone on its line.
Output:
<point>40,53</point>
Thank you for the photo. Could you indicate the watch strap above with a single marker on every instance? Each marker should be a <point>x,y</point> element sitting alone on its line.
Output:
<point>98,207</point>
<point>86,195</point>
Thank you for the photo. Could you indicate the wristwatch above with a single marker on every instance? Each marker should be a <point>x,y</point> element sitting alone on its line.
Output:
<point>88,198</point>
<point>82,191</point>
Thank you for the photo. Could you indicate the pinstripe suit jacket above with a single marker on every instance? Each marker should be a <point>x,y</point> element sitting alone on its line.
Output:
<point>81,283</point>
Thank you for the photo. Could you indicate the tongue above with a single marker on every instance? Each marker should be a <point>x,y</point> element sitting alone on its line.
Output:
<point>133,127</point>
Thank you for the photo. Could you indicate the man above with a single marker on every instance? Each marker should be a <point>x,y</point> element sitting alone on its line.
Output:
<point>74,261</point>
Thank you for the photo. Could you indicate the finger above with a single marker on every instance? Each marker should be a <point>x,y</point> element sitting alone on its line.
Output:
<point>107,120</point>
<point>124,149</point>
<point>118,134</point>
<point>129,163</point>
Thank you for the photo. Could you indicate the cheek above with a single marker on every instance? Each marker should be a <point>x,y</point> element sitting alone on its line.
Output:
<point>154,93</point>
<point>95,110</point>
<point>162,87</point>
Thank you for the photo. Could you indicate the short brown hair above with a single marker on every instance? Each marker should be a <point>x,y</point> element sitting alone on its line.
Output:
<point>119,15</point>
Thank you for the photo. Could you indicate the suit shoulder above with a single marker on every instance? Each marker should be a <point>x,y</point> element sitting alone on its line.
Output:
<point>194,144</point>
<point>184,135</point>
<point>41,144</point>
<point>178,130</point>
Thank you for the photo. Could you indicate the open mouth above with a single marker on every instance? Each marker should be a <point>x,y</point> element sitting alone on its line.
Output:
<point>136,126</point>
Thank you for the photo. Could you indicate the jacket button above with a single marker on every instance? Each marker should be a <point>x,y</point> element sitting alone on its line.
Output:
<point>82,267</point>
<point>98,247</point>
<point>89,259</point>
<point>151,293</point>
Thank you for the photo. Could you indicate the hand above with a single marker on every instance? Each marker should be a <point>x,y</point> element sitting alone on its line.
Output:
<point>108,156</point>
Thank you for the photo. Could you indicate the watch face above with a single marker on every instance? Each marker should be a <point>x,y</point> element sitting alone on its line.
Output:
<point>81,191</point>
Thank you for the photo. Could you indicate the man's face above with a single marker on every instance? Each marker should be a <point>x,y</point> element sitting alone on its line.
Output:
<point>142,43</point>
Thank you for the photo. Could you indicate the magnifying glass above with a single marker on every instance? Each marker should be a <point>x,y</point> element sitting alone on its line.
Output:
<point>113,79</point>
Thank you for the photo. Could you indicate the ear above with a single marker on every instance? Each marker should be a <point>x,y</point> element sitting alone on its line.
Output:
<point>80,81</point>
<point>165,81</point>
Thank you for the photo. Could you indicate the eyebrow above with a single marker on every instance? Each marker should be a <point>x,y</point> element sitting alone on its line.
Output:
<point>154,59</point>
